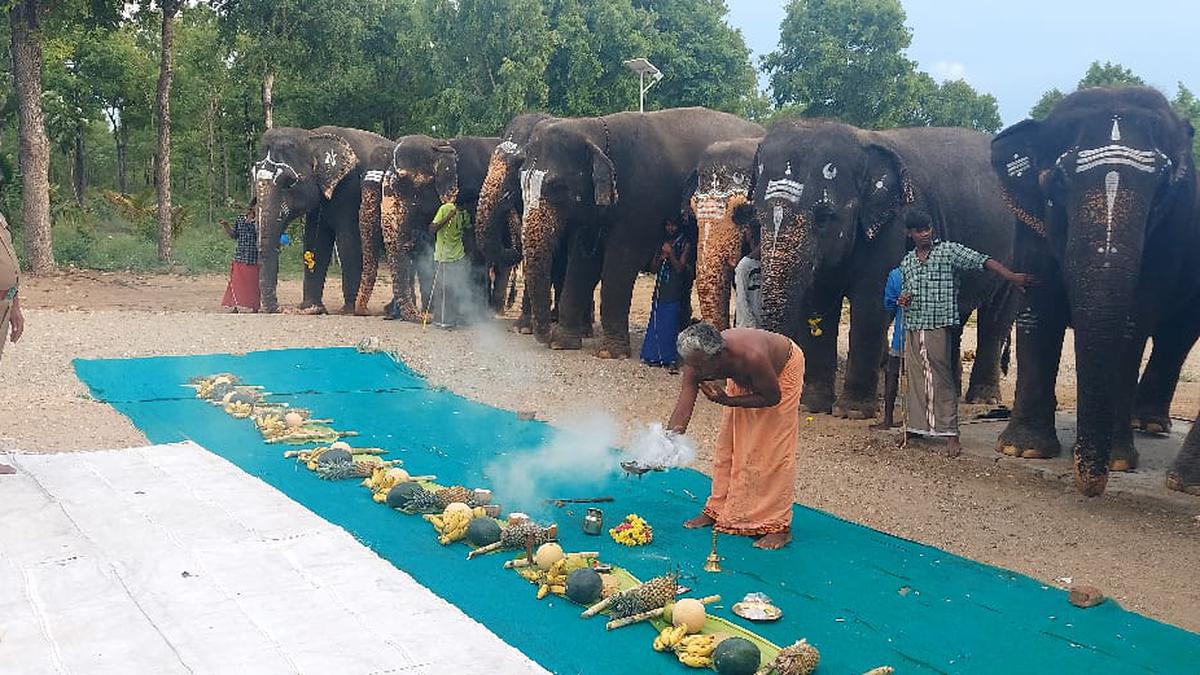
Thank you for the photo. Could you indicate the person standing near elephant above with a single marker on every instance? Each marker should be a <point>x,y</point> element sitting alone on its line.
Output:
<point>670,286</point>
<point>451,279</point>
<point>242,291</point>
<point>929,295</point>
<point>754,463</point>
<point>747,279</point>
<point>895,355</point>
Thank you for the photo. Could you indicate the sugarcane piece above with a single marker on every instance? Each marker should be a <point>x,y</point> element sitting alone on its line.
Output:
<point>514,537</point>
<point>651,614</point>
<point>655,593</point>
<point>598,607</point>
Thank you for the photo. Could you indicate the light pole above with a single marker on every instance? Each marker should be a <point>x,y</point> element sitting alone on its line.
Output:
<point>643,68</point>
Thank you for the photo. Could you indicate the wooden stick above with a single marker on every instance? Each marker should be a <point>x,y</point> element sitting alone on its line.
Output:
<point>598,607</point>
<point>585,500</point>
<point>652,614</point>
<point>523,562</point>
<point>483,550</point>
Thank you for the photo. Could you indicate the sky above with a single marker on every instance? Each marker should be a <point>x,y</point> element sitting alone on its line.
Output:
<point>1018,49</point>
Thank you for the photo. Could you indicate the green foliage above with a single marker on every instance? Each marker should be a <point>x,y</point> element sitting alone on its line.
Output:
<point>1188,106</point>
<point>1107,75</point>
<point>952,104</point>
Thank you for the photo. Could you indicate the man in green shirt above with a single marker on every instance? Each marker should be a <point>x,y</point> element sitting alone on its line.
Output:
<point>929,296</point>
<point>451,280</point>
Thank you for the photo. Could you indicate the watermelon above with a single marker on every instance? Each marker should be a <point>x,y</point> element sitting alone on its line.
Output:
<point>736,656</point>
<point>584,586</point>
<point>401,494</point>
<point>483,531</point>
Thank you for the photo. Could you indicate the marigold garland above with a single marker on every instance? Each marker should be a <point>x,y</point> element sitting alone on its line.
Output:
<point>633,531</point>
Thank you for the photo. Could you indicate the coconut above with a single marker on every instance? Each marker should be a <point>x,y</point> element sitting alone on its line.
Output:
<point>396,475</point>
<point>293,419</point>
<point>688,612</point>
<point>340,445</point>
<point>455,507</point>
<point>548,554</point>
<point>584,586</point>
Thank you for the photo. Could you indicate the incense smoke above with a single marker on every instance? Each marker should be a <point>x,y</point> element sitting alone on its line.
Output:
<point>578,455</point>
<point>658,448</point>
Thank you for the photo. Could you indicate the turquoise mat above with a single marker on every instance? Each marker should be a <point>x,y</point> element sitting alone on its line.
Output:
<point>839,585</point>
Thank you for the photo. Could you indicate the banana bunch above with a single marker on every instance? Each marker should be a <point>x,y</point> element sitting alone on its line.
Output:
<point>239,409</point>
<point>669,638</point>
<point>696,651</point>
<point>270,424</point>
<point>554,580</point>
<point>452,525</point>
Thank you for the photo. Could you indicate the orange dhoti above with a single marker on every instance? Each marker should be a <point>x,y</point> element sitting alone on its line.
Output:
<point>754,467</point>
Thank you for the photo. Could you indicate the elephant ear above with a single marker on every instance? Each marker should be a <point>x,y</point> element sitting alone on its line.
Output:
<point>332,158</point>
<point>445,172</point>
<point>604,177</point>
<point>1015,161</point>
<point>887,188</point>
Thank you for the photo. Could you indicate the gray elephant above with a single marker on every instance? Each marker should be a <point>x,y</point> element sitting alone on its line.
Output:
<point>828,198</point>
<point>718,202</point>
<point>1105,191</point>
<point>604,185</point>
<point>316,174</point>
<point>399,203</point>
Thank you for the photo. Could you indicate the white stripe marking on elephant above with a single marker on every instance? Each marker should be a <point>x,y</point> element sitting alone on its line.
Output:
<point>531,189</point>
<point>1018,166</point>
<point>785,188</point>
<point>1115,155</point>
<point>1116,130</point>
<point>1112,181</point>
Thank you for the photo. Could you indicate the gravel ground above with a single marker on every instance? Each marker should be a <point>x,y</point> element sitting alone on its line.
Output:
<point>1141,551</point>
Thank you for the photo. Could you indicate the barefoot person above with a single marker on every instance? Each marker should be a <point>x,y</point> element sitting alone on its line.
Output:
<point>241,293</point>
<point>895,355</point>
<point>929,296</point>
<point>757,375</point>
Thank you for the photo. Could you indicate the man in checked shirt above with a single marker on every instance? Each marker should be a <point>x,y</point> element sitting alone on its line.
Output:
<point>929,296</point>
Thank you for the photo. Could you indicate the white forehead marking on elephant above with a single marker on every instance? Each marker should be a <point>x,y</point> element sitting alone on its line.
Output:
<point>879,184</point>
<point>1115,155</point>
<point>330,158</point>
<point>373,177</point>
<point>1116,129</point>
<point>531,189</point>
<point>777,219</point>
<point>760,169</point>
<point>1018,166</point>
<point>829,171</point>
<point>739,178</point>
<point>787,169</point>
<point>785,188</point>
<point>1112,180</point>
<point>507,147</point>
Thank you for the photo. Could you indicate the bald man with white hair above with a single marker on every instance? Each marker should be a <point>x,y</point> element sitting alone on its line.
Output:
<point>758,376</point>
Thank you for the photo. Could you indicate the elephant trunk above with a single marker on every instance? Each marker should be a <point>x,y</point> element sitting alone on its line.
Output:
<point>540,231</point>
<point>717,252</point>
<point>1102,265</point>
<point>788,264</point>
<point>271,223</point>
<point>492,215</point>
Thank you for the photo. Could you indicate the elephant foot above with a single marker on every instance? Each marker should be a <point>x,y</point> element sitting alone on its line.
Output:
<point>361,310</point>
<point>1123,458</point>
<point>1178,483</point>
<point>816,402</point>
<point>312,309</point>
<point>1151,423</point>
<point>1028,442</point>
<point>1090,482</point>
<point>272,308</point>
<point>566,342</point>
<point>542,336</point>
<point>612,353</point>
<point>525,330</point>
<point>983,393</point>
<point>403,313</point>
<point>588,331</point>
<point>855,409</point>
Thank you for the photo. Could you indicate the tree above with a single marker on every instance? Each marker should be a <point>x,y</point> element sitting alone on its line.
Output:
<point>1107,75</point>
<point>843,59</point>
<point>1188,106</point>
<point>25,25</point>
<point>586,73</point>
<point>162,113</point>
<point>952,104</point>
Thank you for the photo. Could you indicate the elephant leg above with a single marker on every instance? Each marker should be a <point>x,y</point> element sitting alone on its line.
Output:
<point>994,325</point>
<point>582,272</point>
<point>318,241</point>
<point>369,235</point>
<point>525,320</point>
<point>1172,343</point>
<point>1124,456</point>
<point>1184,475</point>
<point>860,387</point>
<point>589,320</point>
<point>1041,326</point>
<point>350,255</point>
<point>616,293</point>
<point>819,325</point>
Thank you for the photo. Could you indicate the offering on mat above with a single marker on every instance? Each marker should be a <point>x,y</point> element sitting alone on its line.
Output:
<point>736,656</point>
<point>633,531</point>
<point>695,651</point>
<point>651,595</point>
<point>584,586</point>
<point>553,579</point>
<point>800,658</point>
<point>452,525</point>
<point>757,607</point>
<point>687,613</point>
<point>519,536</point>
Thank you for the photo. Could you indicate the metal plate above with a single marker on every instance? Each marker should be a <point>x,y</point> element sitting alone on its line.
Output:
<point>757,611</point>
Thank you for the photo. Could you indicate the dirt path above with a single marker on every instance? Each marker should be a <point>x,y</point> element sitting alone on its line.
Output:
<point>1141,551</point>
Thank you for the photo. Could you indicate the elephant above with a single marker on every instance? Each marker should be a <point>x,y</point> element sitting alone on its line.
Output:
<point>422,173</point>
<point>604,185</point>
<point>1104,191</point>
<point>317,174</point>
<point>718,201</point>
<point>498,216</point>
<point>830,199</point>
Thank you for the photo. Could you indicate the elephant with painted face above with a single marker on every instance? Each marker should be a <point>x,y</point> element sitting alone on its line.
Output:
<point>604,185</point>
<point>422,174</point>
<point>829,199</point>
<point>1105,190</point>
<point>316,174</point>
<point>720,207</point>
<point>498,221</point>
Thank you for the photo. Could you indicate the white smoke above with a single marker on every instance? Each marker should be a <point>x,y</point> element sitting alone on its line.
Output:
<point>580,453</point>
<point>655,447</point>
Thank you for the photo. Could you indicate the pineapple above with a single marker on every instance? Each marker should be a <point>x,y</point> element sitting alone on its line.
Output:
<point>651,595</point>
<point>423,501</point>
<point>457,493</point>
<point>800,658</point>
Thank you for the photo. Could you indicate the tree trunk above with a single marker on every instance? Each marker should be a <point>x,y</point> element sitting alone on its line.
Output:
<point>268,101</point>
<point>162,172</point>
<point>78,167</point>
<point>34,151</point>
<point>225,167</point>
<point>212,157</point>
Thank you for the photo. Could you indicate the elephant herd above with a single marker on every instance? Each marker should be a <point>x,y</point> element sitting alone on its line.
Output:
<point>1099,201</point>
